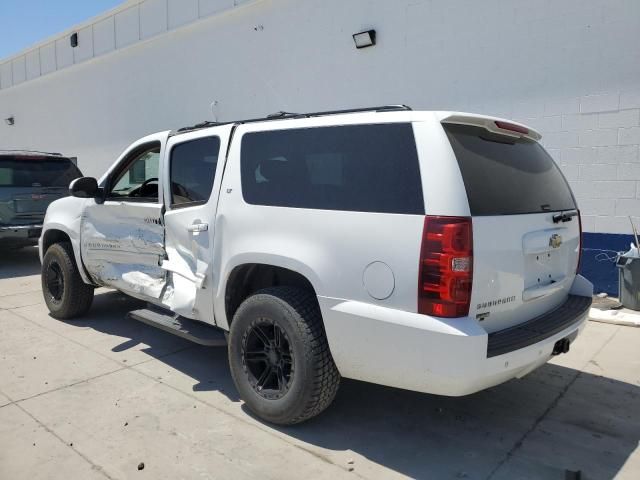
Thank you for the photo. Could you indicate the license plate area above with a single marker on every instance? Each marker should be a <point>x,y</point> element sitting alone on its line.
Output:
<point>544,268</point>
<point>28,205</point>
<point>547,257</point>
<point>33,203</point>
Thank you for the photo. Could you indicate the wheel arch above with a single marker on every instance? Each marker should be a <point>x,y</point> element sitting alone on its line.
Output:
<point>54,235</point>
<point>247,278</point>
<point>57,234</point>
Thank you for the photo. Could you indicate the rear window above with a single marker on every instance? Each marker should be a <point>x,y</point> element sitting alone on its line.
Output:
<point>364,168</point>
<point>18,171</point>
<point>506,176</point>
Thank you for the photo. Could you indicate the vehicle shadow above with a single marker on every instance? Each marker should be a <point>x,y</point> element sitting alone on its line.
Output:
<point>516,430</point>
<point>555,419</point>
<point>207,366</point>
<point>19,263</point>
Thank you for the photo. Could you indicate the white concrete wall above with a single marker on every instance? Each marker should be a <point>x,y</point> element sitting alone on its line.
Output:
<point>570,68</point>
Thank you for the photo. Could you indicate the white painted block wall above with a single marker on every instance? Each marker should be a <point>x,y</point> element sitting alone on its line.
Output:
<point>595,140</point>
<point>569,68</point>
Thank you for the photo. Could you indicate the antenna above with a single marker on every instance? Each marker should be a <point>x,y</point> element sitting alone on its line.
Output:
<point>214,107</point>
<point>635,232</point>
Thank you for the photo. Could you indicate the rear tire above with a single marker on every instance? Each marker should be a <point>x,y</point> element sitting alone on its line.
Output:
<point>65,294</point>
<point>279,356</point>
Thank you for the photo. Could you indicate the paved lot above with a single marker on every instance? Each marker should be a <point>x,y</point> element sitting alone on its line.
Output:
<point>95,398</point>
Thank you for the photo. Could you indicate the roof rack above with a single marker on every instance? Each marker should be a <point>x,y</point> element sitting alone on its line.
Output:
<point>30,151</point>
<point>290,115</point>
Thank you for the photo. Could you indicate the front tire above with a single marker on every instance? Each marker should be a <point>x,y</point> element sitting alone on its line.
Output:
<point>279,356</point>
<point>65,294</point>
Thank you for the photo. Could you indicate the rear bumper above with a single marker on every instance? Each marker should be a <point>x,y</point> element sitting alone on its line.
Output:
<point>538,329</point>
<point>20,234</point>
<point>442,356</point>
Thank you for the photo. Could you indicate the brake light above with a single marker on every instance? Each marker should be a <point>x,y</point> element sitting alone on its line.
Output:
<point>512,127</point>
<point>446,267</point>
<point>579,244</point>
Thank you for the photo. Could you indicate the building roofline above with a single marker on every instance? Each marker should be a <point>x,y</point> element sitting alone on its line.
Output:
<point>125,5</point>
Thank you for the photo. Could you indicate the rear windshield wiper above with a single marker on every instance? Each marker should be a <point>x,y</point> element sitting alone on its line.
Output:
<point>564,216</point>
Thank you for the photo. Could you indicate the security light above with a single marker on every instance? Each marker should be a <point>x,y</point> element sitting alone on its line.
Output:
<point>365,39</point>
<point>10,121</point>
<point>74,40</point>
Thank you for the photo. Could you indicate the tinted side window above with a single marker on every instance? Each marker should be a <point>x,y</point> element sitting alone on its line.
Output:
<point>364,168</point>
<point>507,176</point>
<point>193,169</point>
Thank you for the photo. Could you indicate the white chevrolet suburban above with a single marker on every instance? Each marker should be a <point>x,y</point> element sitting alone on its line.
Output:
<point>430,251</point>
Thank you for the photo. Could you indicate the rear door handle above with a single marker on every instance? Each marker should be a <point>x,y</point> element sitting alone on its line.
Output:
<point>198,227</point>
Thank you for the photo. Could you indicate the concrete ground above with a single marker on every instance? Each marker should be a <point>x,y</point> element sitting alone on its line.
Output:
<point>95,398</point>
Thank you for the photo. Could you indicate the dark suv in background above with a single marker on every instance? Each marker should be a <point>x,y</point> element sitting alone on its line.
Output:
<point>29,182</point>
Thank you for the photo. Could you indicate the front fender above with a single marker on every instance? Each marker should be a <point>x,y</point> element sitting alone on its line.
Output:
<point>65,215</point>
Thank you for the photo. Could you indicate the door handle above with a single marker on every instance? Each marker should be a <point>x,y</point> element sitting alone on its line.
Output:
<point>198,227</point>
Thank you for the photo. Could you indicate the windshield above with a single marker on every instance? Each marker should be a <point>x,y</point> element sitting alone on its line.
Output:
<point>37,172</point>
<point>507,176</point>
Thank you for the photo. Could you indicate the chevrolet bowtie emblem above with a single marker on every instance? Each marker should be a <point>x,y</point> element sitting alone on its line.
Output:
<point>555,241</point>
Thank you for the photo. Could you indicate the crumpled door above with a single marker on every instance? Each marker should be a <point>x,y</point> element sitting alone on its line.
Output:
<point>123,246</point>
<point>122,238</point>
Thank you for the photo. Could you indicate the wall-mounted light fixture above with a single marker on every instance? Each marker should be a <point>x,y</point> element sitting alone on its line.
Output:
<point>74,40</point>
<point>10,121</point>
<point>365,39</point>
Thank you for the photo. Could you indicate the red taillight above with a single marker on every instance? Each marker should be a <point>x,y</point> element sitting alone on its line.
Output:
<point>579,244</point>
<point>446,267</point>
<point>512,127</point>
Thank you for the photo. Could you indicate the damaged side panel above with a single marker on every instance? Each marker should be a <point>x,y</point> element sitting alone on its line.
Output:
<point>187,291</point>
<point>123,247</point>
<point>190,220</point>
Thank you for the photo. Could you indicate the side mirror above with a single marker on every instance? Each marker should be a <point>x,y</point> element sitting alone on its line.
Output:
<point>84,187</point>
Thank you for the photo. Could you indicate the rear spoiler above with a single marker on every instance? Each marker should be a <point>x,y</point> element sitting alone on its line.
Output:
<point>494,125</point>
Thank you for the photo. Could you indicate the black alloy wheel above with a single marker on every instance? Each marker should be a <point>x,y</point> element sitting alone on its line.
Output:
<point>279,356</point>
<point>267,358</point>
<point>54,281</point>
<point>64,291</point>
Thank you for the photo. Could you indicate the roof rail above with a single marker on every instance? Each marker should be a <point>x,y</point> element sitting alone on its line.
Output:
<point>30,151</point>
<point>275,116</point>
<point>288,115</point>
<point>383,108</point>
